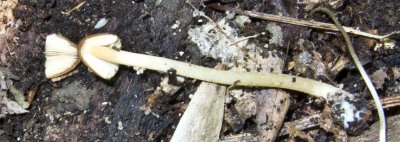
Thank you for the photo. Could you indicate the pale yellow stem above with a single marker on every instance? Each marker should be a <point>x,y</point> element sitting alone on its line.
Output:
<point>253,79</point>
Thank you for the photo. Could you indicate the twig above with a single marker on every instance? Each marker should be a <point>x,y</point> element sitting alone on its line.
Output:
<point>73,9</point>
<point>299,22</point>
<point>362,71</point>
<point>242,39</point>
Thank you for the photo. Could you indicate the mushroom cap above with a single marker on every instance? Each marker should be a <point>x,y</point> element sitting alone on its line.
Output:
<point>61,56</point>
<point>100,67</point>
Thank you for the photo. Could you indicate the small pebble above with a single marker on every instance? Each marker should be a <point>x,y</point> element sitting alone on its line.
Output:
<point>101,23</point>
<point>176,25</point>
<point>120,127</point>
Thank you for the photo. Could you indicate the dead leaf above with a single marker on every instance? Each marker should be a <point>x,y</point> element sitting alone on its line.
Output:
<point>9,107</point>
<point>19,97</point>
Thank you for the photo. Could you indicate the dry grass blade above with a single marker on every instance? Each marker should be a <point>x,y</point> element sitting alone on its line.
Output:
<point>299,22</point>
<point>392,101</point>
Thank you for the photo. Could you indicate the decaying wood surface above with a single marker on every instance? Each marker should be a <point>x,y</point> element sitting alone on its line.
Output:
<point>202,120</point>
<point>272,106</point>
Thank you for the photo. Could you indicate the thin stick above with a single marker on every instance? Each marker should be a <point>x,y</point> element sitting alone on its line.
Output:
<point>299,22</point>
<point>254,79</point>
<point>73,9</point>
<point>360,68</point>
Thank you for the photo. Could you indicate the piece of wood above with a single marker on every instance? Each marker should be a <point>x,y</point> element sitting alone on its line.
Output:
<point>272,105</point>
<point>202,120</point>
<point>245,137</point>
<point>301,124</point>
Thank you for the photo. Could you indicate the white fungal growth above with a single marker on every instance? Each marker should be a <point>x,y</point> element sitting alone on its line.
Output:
<point>348,109</point>
<point>214,43</point>
<point>139,70</point>
<point>120,127</point>
<point>170,88</point>
<point>350,113</point>
<point>225,44</point>
<point>276,31</point>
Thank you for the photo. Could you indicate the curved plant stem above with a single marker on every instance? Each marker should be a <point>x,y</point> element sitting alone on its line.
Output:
<point>378,104</point>
<point>253,79</point>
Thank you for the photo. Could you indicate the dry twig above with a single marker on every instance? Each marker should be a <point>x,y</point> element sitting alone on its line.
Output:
<point>299,22</point>
<point>73,9</point>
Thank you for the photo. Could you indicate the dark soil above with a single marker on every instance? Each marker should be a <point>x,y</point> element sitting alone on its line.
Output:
<point>146,28</point>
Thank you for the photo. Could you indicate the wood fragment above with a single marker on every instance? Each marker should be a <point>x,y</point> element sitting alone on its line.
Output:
<point>301,124</point>
<point>299,22</point>
<point>294,132</point>
<point>31,96</point>
<point>244,137</point>
<point>202,120</point>
<point>272,105</point>
<point>339,64</point>
<point>33,92</point>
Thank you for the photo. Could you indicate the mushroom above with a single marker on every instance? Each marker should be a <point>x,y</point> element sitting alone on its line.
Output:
<point>102,54</point>
<point>61,56</point>
<point>102,68</point>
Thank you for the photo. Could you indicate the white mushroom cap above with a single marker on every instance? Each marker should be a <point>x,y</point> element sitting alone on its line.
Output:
<point>61,56</point>
<point>100,67</point>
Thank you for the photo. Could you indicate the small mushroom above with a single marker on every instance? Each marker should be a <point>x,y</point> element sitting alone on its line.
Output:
<point>102,54</point>
<point>61,56</point>
<point>98,54</point>
<point>102,68</point>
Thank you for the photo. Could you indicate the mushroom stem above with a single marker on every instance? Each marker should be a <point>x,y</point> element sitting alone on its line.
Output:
<point>255,79</point>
